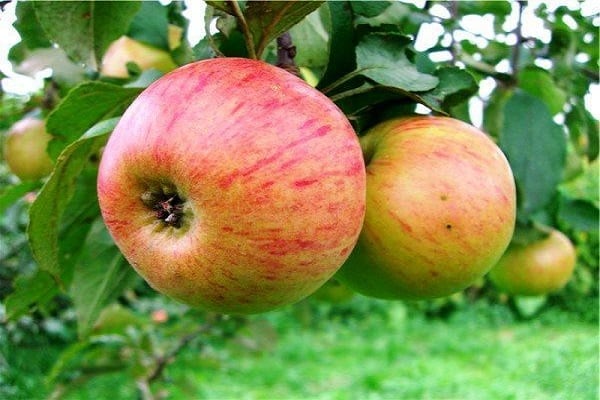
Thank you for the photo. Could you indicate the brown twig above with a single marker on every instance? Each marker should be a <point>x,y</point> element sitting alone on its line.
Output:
<point>162,361</point>
<point>286,52</point>
<point>3,4</point>
<point>454,16</point>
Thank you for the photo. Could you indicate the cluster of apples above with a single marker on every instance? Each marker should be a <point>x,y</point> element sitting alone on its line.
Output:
<point>232,185</point>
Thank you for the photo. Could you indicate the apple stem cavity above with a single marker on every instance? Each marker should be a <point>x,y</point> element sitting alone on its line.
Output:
<point>367,146</point>
<point>167,206</point>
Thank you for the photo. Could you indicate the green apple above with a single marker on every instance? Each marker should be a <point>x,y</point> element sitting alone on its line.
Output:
<point>333,292</point>
<point>537,268</point>
<point>25,149</point>
<point>441,208</point>
<point>126,49</point>
<point>232,185</point>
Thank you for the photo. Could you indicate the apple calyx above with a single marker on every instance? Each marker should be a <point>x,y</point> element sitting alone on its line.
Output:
<point>167,206</point>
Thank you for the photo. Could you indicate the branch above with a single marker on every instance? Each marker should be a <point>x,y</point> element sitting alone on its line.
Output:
<point>248,38</point>
<point>286,52</point>
<point>161,362</point>
<point>514,62</point>
<point>485,68</point>
<point>3,4</point>
<point>455,19</point>
<point>208,16</point>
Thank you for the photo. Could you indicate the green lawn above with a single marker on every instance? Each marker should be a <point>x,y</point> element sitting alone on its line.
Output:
<point>478,353</point>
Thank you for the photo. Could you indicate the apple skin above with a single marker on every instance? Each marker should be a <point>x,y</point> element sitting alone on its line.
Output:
<point>25,149</point>
<point>536,269</point>
<point>126,49</point>
<point>271,175</point>
<point>441,208</point>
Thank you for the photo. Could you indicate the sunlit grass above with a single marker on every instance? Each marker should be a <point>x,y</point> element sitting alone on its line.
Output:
<point>324,352</point>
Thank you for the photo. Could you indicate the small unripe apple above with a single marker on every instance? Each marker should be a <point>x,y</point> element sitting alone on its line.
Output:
<point>333,292</point>
<point>232,185</point>
<point>174,36</point>
<point>25,149</point>
<point>125,50</point>
<point>536,269</point>
<point>441,207</point>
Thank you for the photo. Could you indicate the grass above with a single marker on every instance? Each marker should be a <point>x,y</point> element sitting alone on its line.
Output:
<point>478,353</point>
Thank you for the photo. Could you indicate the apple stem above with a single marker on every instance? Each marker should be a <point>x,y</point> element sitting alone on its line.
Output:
<point>248,37</point>
<point>286,51</point>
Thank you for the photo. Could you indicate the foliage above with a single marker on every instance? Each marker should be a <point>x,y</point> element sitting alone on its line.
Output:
<point>362,54</point>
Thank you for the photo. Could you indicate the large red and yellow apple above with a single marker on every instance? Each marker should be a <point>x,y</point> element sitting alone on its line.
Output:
<point>126,49</point>
<point>440,209</point>
<point>232,185</point>
<point>25,149</point>
<point>536,269</point>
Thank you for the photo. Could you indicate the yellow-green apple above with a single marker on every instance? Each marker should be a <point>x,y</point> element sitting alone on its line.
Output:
<point>232,185</point>
<point>333,292</point>
<point>537,268</point>
<point>25,149</point>
<point>125,50</point>
<point>441,208</point>
<point>174,36</point>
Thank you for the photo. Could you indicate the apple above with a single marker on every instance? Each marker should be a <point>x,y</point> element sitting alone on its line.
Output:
<point>25,149</point>
<point>536,269</point>
<point>333,292</point>
<point>125,50</point>
<point>441,207</point>
<point>174,36</point>
<point>231,185</point>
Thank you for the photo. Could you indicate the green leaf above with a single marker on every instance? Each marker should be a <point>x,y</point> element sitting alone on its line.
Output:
<point>37,288</point>
<point>11,194</point>
<point>85,29</point>
<point>369,8</point>
<point>101,275</point>
<point>151,24</point>
<point>535,147</point>
<point>586,186</point>
<point>222,5</point>
<point>382,58</point>
<point>32,34</point>
<point>80,212</point>
<point>311,38</point>
<point>115,319</point>
<point>583,130</point>
<point>84,106</point>
<point>455,86</point>
<point>493,114</point>
<point>47,213</point>
<point>269,19</point>
<point>342,56</point>
<point>496,7</point>
<point>539,83</point>
<point>579,215</point>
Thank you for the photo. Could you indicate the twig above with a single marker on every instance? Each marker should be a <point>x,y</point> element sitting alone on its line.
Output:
<point>286,52</point>
<point>3,4</point>
<point>208,16</point>
<point>143,384</point>
<point>248,38</point>
<point>454,17</point>
<point>514,62</point>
